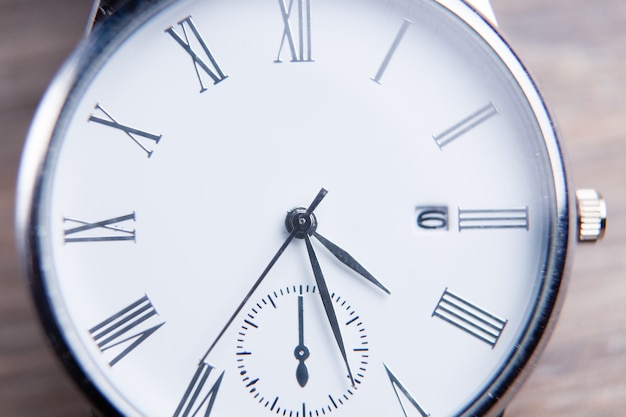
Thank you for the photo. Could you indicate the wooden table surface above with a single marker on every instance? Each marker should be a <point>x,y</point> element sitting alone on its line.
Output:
<point>576,49</point>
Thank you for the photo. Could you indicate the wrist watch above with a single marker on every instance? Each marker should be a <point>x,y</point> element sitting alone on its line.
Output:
<point>297,208</point>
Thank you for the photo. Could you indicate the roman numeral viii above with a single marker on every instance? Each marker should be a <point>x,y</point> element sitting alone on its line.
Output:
<point>125,330</point>
<point>200,394</point>
<point>212,68</point>
<point>303,52</point>
<point>470,318</point>
<point>109,230</point>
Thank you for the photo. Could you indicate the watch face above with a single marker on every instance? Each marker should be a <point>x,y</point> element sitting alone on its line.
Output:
<point>295,208</point>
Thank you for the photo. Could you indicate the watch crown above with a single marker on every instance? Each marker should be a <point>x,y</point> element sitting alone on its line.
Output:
<point>591,215</point>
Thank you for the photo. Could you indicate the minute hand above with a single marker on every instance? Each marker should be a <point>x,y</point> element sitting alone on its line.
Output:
<point>349,261</point>
<point>328,304</point>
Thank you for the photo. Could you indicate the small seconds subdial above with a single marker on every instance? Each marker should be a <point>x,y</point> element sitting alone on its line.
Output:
<point>286,356</point>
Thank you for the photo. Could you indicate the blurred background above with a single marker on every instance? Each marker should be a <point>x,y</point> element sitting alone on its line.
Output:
<point>576,50</point>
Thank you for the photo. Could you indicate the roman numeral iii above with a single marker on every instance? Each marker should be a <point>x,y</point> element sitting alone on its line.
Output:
<point>125,330</point>
<point>136,135</point>
<point>200,394</point>
<point>470,318</point>
<point>508,218</point>
<point>109,230</point>
<point>212,68</point>
<point>303,51</point>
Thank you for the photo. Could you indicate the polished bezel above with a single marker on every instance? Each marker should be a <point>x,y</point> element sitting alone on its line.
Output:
<point>45,139</point>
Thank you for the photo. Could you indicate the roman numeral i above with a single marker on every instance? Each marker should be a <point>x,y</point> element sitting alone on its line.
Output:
<point>392,50</point>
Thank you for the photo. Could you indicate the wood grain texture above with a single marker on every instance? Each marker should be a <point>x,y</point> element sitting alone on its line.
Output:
<point>576,49</point>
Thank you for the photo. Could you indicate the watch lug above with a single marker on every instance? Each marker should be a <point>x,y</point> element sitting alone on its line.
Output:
<point>101,10</point>
<point>485,9</point>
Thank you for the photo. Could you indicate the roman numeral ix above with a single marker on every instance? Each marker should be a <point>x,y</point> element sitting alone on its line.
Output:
<point>125,330</point>
<point>212,69</point>
<point>109,230</point>
<point>470,318</point>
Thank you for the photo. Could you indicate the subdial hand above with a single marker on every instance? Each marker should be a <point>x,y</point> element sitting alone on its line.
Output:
<point>349,261</point>
<point>328,304</point>
<point>301,352</point>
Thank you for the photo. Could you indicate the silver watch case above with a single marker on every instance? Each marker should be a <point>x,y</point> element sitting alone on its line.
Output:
<point>43,142</point>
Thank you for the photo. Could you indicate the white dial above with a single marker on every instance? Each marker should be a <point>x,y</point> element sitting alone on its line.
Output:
<point>165,209</point>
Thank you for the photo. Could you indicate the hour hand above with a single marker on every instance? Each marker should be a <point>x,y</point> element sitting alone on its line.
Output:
<point>349,261</point>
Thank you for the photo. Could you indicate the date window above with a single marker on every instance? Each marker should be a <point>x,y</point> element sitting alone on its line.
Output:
<point>431,218</point>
